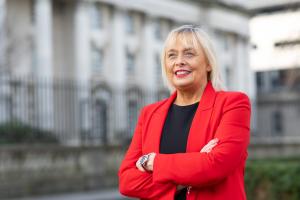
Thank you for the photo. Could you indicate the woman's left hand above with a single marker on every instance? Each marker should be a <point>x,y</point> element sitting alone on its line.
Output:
<point>209,146</point>
<point>148,166</point>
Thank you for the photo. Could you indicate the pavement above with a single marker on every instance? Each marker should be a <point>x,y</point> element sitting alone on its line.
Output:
<point>92,195</point>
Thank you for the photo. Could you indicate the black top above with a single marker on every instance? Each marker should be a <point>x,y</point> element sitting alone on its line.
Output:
<point>175,133</point>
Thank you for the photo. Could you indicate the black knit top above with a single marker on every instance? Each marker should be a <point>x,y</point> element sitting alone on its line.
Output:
<point>175,133</point>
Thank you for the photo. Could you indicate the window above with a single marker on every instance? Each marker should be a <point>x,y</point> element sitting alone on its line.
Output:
<point>96,16</point>
<point>161,28</point>
<point>32,12</point>
<point>34,58</point>
<point>99,130</point>
<point>132,116</point>
<point>259,80</point>
<point>276,123</point>
<point>296,83</point>
<point>130,62</point>
<point>275,82</point>
<point>224,40</point>
<point>158,68</point>
<point>130,23</point>
<point>96,58</point>
<point>158,30</point>
<point>278,79</point>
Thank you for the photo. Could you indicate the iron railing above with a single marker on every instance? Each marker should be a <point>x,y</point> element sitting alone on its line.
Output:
<point>68,112</point>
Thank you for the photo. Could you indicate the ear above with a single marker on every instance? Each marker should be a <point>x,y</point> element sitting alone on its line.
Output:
<point>208,68</point>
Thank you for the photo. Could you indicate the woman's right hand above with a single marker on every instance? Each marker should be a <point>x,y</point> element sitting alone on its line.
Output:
<point>149,163</point>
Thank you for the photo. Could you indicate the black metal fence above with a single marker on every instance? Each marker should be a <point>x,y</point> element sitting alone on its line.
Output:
<point>69,113</point>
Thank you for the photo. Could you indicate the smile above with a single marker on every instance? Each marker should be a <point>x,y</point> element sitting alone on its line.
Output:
<point>182,73</point>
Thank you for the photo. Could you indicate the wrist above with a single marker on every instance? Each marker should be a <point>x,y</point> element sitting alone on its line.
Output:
<point>144,161</point>
<point>150,163</point>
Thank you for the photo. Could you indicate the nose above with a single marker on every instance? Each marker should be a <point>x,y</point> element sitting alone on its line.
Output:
<point>180,61</point>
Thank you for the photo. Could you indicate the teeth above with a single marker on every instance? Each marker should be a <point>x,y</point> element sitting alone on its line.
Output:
<point>182,72</point>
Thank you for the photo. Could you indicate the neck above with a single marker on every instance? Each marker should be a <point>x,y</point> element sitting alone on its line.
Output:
<point>188,97</point>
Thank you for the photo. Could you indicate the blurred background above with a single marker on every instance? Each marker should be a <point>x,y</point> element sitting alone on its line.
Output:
<point>74,75</point>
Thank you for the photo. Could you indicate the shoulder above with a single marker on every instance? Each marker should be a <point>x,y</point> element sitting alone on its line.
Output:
<point>232,95</point>
<point>227,98</point>
<point>147,111</point>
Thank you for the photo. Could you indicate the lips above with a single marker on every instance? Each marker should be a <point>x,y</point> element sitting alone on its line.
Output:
<point>182,73</point>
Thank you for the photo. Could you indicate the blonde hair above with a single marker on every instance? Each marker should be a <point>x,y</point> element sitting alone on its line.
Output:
<point>200,39</point>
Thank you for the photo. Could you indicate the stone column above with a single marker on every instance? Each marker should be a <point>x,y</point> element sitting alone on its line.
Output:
<point>117,72</point>
<point>82,38</point>
<point>43,73</point>
<point>4,79</point>
<point>43,11</point>
<point>82,71</point>
<point>2,34</point>
<point>148,74</point>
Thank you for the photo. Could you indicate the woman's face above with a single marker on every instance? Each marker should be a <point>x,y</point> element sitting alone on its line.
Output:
<point>186,65</point>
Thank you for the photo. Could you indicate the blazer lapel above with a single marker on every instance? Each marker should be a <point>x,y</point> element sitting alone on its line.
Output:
<point>158,120</point>
<point>199,133</point>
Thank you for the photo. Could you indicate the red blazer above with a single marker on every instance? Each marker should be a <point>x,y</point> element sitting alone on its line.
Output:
<point>218,175</point>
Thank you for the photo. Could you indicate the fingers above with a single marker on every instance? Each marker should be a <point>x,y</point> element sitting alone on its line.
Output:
<point>180,187</point>
<point>138,164</point>
<point>147,162</point>
<point>209,146</point>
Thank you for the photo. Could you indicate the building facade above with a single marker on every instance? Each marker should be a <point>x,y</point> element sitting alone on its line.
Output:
<point>110,51</point>
<point>275,59</point>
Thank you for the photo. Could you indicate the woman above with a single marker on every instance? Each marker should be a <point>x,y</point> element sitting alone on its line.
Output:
<point>192,145</point>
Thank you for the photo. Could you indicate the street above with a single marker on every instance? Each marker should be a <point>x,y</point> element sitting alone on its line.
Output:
<point>112,194</point>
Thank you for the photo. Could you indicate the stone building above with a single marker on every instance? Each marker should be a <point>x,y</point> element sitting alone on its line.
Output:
<point>109,50</point>
<point>275,59</point>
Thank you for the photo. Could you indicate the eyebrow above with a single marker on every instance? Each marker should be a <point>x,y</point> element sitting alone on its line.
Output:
<point>185,49</point>
<point>188,49</point>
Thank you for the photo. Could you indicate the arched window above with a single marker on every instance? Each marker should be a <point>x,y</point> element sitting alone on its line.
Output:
<point>132,115</point>
<point>99,122</point>
<point>99,131</point>
<point>134,103</point>
<point>96,16</point>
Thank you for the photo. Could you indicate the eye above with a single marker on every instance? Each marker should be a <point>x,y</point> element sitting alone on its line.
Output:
<point>189,54</point>
<point>171,55</point>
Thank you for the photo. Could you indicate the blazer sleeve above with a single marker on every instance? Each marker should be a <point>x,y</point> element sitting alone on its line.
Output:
<point>201,169</point>
<point>133,182</point>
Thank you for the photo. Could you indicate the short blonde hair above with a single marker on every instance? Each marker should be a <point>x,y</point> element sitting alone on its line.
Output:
<point>200,39</point>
